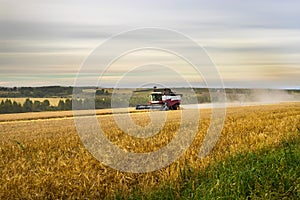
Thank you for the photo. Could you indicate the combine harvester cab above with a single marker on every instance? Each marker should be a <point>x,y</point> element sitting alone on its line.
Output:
<point>166,100</point>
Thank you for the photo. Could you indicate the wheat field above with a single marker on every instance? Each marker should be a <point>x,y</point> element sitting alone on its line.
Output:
<point>46,159</point>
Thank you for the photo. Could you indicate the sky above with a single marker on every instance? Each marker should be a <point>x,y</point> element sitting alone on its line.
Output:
<point>251,43</point>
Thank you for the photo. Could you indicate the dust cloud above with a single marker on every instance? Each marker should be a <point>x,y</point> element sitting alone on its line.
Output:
<point>263,96</point>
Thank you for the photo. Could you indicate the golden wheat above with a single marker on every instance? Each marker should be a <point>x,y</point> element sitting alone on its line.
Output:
<point>46,159</point>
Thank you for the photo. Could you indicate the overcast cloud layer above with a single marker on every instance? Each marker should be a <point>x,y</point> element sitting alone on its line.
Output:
<point>253,44</point>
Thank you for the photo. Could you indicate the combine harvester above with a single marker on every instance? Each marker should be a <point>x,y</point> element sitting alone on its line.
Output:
<point>162,99</point>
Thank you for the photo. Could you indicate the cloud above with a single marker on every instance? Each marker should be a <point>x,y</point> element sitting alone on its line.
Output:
<point>37,30</point>
<point>251,42</point>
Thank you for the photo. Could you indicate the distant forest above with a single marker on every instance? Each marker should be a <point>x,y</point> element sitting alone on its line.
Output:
<point>36,92</point>
<point>9,106</point>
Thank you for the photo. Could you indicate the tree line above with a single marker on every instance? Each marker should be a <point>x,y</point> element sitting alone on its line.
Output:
<point>37,92</point>
<point>45,92</point>
<point>9,106</point>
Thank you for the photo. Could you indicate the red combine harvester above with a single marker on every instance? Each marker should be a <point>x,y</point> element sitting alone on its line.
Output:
<point>162,99</point>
